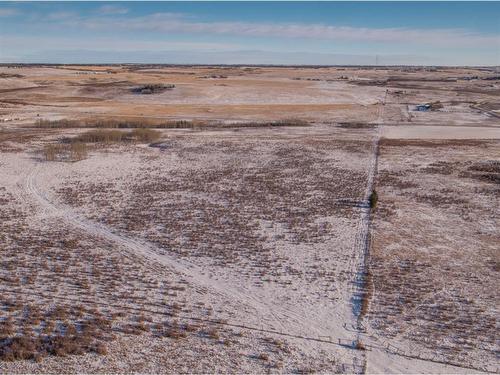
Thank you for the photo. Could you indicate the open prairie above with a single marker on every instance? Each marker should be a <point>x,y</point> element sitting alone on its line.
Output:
<point>249,219</point>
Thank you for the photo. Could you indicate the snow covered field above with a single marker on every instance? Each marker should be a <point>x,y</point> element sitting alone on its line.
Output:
<point>247,249</point>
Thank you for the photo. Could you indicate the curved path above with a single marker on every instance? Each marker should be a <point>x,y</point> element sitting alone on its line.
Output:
<point>144,250</point>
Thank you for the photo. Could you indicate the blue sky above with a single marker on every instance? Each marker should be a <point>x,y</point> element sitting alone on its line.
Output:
<point>428,33</point>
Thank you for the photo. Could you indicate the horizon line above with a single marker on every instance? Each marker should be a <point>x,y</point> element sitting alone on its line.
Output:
<point>249,65</point>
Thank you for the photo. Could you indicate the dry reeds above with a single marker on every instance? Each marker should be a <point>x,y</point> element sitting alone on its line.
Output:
<point>116,136</point>
<point>51,151</point>
<point>159,124</point>
<point>78,151</point>
<point>145,135</point>
<point>114,124</point>
<point>104,136</point>
<point>73,152</point>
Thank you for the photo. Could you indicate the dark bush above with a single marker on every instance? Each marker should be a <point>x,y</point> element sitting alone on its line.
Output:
<point>373,199</point>
<point>152,88</point>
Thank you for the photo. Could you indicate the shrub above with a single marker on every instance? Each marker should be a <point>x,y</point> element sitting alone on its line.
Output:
<point>373,199</point>
<point>175,333</point>
<point>19,348</point>
<point>105,136</point>
<point>263,357</point>
<point>213,334</point>
<point>190,327</point>
<point>359,345</point>
<point>7,327</point>
<point>436,105</point>
<point>152,88</point>
<point>101,349</point>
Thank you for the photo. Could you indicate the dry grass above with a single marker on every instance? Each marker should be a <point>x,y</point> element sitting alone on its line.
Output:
<point>104,136</point>
<point>158,124</point>
<point>444,143</point>
<point>76,148</point>
<point>116,136</point>
<point>356,125</point>
<point>113,123</point>
<point>78,151</point>
<point>145,135</point>
<point>436,215</point>
<point>51,151</point>
<point>367,295</point>
<point>15,140</point>
<point>29,346</point>
<point>274,189</point>
<point>63,294</point>
<point>74,151</point>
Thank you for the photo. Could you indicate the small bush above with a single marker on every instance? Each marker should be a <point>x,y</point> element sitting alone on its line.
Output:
<point>19,348</point>
<point>213,334</point>
<point>7,327</point>
<point>436,105</point>
<point>104,136</point>
<point>263,357</point>
<point>373,199</point>
<point>101,349</point>
<point>174,333</point>
<point>359,345</point>
<point>190,327</point>
<point>152,88</point>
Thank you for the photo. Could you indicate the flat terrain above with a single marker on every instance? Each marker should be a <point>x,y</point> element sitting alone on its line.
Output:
<point>240,232</point>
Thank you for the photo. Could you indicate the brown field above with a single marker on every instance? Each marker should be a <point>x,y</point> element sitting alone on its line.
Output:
<point>248,219</point>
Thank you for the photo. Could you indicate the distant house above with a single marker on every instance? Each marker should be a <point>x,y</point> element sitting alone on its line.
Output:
<point>423,107</point>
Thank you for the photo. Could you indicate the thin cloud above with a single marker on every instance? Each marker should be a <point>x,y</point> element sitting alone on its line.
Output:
<point>107,44</point>
<point>8,12</point>
<point>172,22</point>
<point>112,10</point>
<point>61,16</point>
<point>111,17</point>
